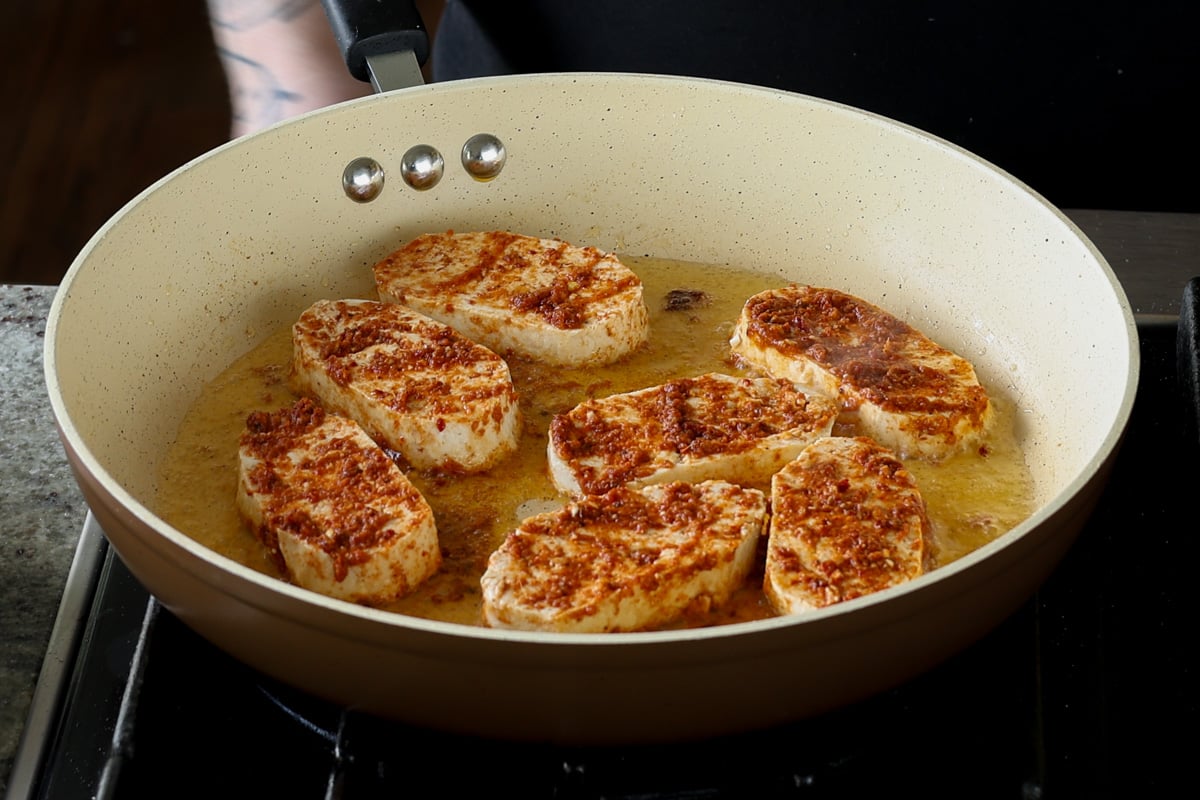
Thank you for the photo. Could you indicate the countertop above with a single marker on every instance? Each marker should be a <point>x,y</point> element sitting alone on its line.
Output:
<point>42,510</point>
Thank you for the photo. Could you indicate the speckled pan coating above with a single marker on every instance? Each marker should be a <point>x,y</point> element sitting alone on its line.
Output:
<point>205,263</point>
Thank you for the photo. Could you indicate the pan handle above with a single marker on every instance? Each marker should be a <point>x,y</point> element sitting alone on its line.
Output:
<point>382,42</point>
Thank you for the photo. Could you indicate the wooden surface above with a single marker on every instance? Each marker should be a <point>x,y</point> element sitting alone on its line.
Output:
<point>101,99</point>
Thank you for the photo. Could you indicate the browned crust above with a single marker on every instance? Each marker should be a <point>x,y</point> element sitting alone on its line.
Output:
<point>340,472</point>
<point>409,366</point>
<point>667,418</point>
<point>605,545</point>
<point>876,357</point>
<point>485,263</point>
<point>860,508</point>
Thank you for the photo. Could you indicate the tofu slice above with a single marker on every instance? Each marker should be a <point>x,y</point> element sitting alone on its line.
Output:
<point>898,386</point>
<point>414,384</point>
<point>712,426</point>
<point>541,299</point>
<point>847,519</point>
<point>335,513</point>
<point>632,559</point>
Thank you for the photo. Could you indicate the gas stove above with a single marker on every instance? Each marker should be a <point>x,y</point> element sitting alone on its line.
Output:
<point>1085,691</point>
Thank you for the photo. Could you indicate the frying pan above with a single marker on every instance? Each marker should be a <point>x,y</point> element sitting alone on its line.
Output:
<point>232,246</point>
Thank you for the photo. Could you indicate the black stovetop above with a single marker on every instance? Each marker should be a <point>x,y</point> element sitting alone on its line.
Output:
<point>1086,691</point>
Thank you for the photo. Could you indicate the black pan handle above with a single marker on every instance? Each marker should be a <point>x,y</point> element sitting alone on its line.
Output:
<point>1187,353</point>
<point>367,28</point>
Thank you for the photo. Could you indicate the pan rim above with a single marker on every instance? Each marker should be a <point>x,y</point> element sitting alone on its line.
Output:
<point>275,587</point>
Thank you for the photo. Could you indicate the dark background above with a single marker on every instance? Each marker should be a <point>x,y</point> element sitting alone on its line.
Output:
<point>101,100</point>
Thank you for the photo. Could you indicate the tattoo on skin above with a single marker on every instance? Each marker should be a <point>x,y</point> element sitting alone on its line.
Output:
<point>240,15</point>
<point>258,96</point>
<point>280,59</point>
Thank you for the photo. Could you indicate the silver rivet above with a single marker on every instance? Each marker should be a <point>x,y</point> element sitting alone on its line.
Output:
<point>483,156</point>
<point>362,180</point>
<point>422,166</point>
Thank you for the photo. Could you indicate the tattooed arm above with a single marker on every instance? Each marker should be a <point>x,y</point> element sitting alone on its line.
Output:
<point>280,60</point>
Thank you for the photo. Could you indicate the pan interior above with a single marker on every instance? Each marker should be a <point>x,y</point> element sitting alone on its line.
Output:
<point>234,245</point>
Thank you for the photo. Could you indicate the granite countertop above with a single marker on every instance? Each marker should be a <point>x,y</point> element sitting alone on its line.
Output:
<point>41,510</point>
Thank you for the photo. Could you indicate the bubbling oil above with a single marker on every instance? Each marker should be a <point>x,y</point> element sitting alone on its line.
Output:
<point>972,497</point>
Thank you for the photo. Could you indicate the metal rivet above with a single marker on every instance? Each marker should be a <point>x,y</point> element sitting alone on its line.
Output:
<point>483,156</point>
<point>362,180</point>
<point>422,166</point>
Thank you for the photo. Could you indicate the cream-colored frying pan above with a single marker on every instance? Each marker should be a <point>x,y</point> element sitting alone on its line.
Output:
<point>232,246</point>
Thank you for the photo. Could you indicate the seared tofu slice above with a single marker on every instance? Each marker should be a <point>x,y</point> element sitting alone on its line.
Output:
<point>541,299</point>
<point>847,519</point>
<point>712,426</point>
<point>629,560</point>
<point>414,384</point>
<point>900,388</point>
<point>335,513</point>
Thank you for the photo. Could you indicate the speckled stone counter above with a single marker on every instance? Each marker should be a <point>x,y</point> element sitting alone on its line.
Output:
<point>41,510</point>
